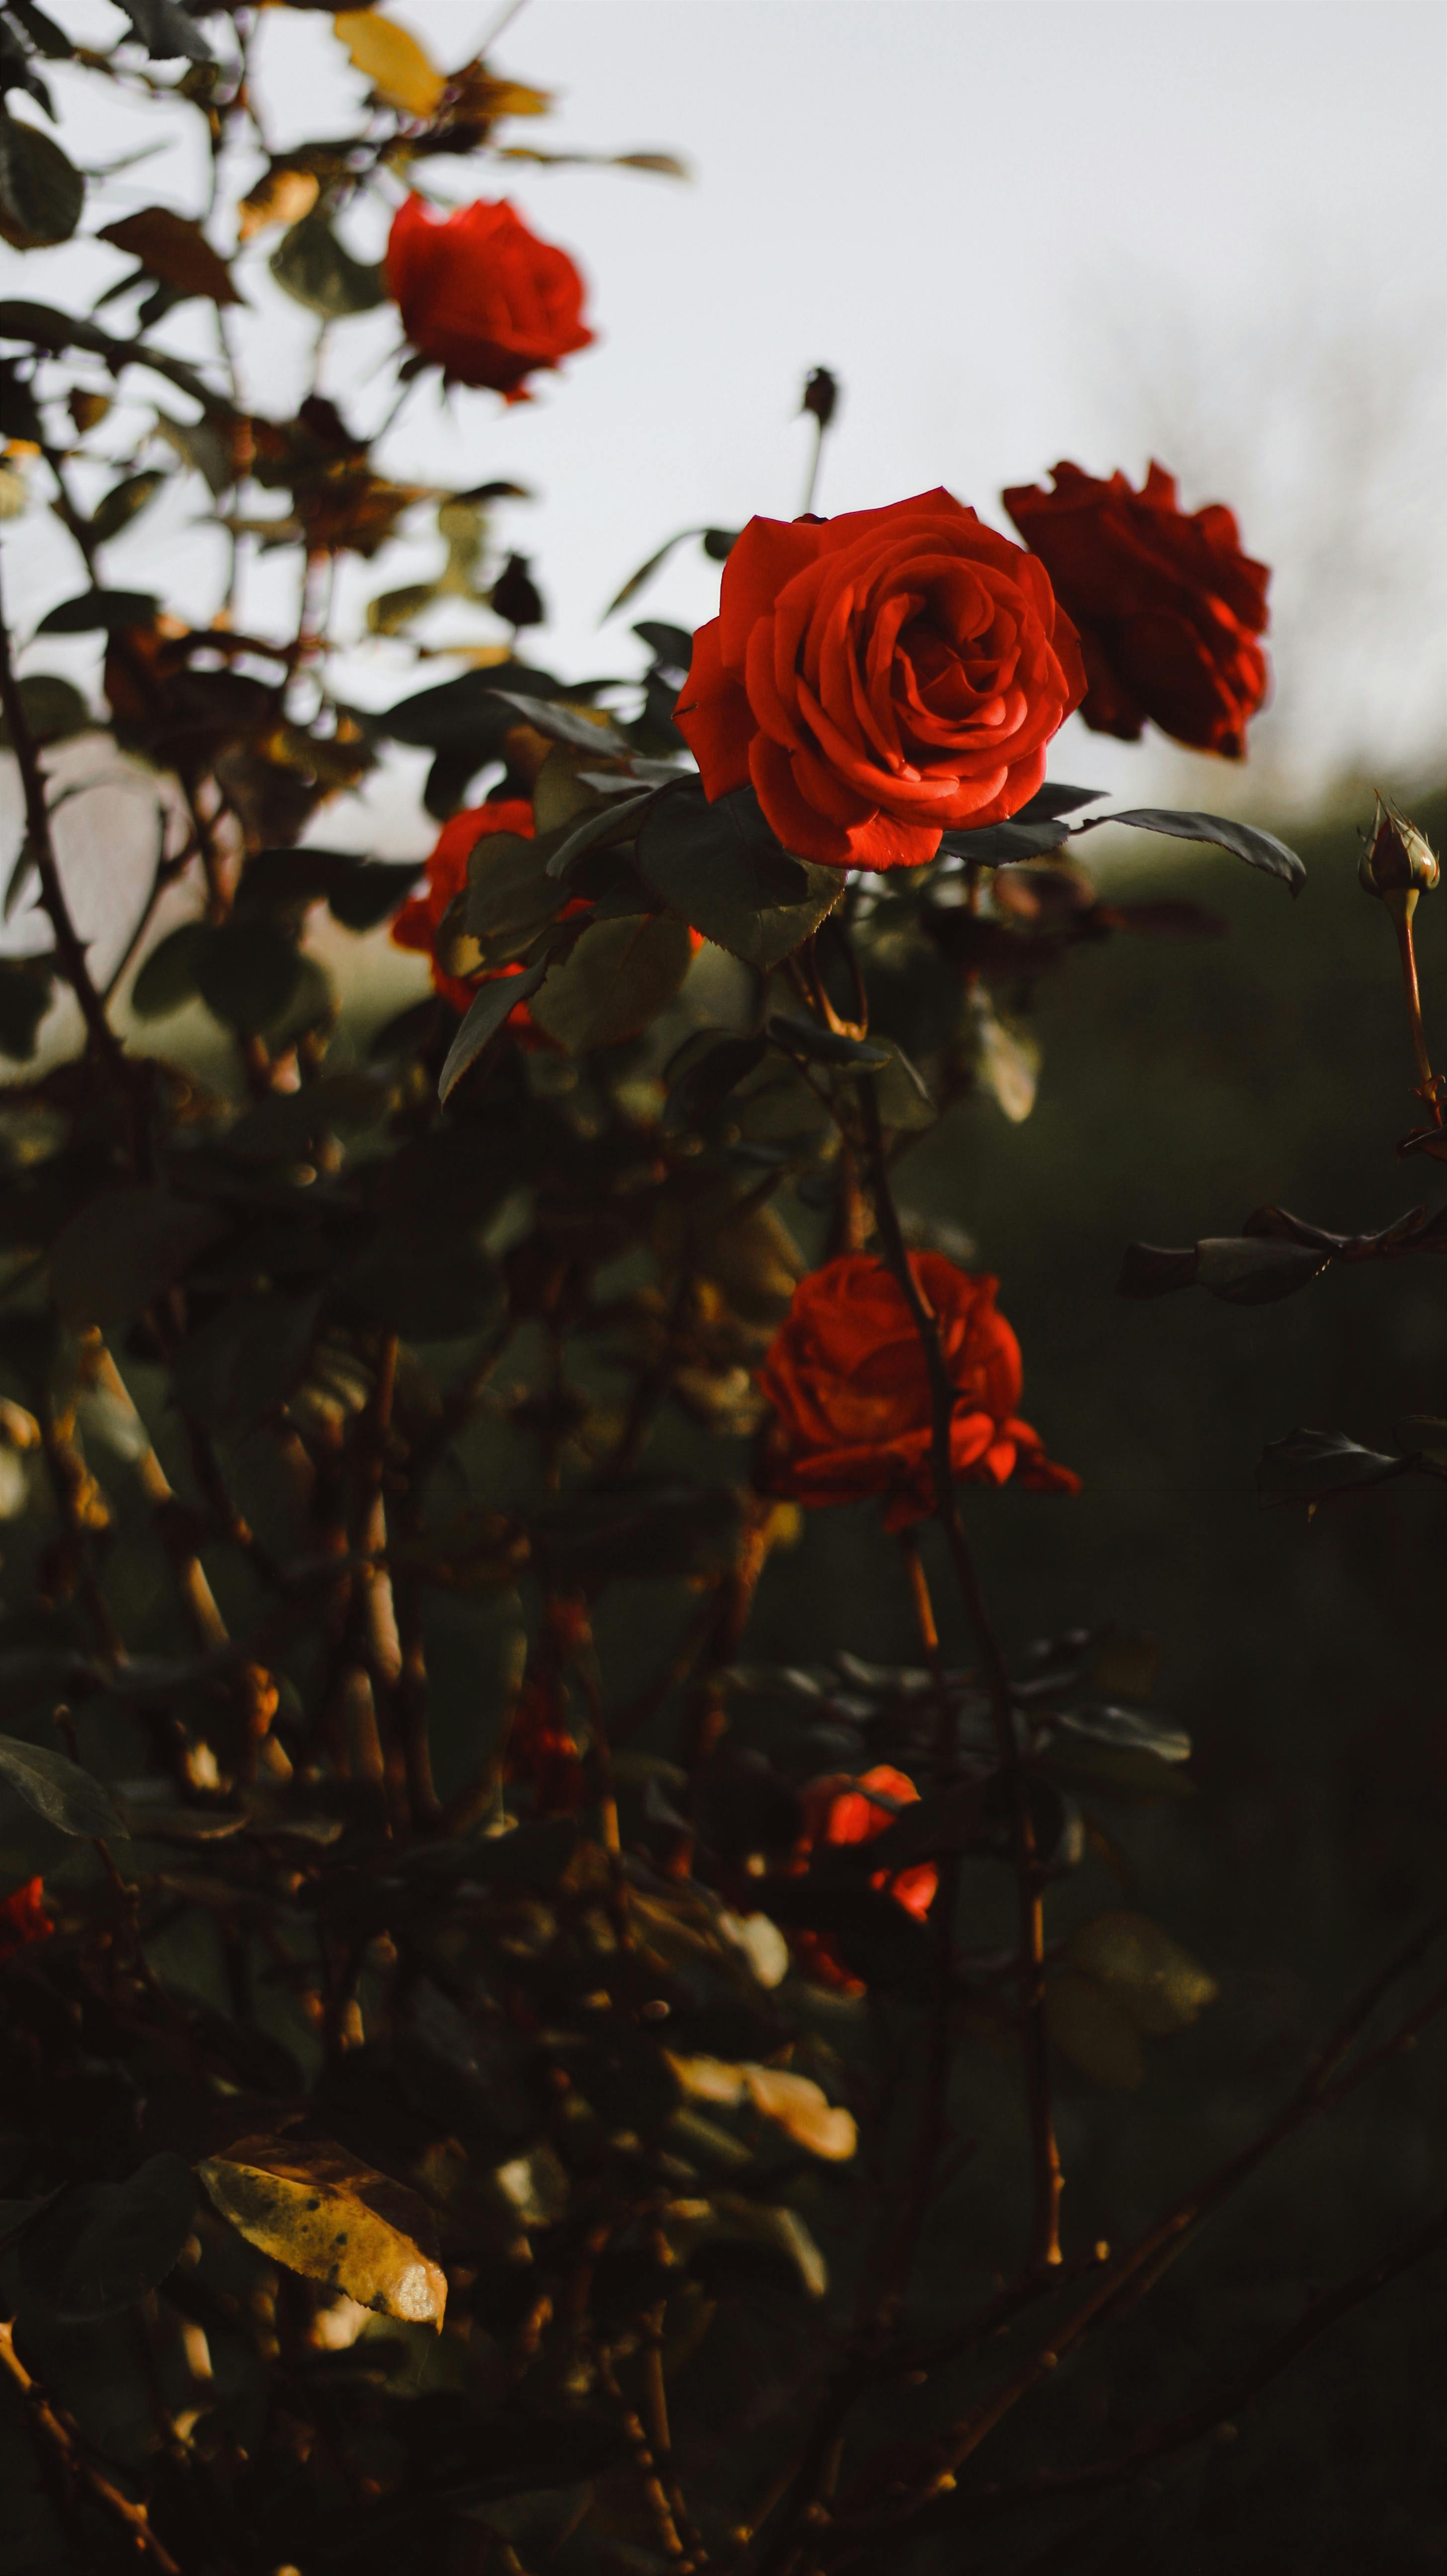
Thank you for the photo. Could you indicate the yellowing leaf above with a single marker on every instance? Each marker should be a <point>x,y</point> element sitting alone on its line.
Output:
<point>800,2107</point>
<point>803,2111</point>
<point>316,2210</point>
<point>398,68</point>
<point>282,197</point>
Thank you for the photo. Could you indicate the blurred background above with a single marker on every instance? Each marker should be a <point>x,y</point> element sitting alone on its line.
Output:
<point>1020,232</point>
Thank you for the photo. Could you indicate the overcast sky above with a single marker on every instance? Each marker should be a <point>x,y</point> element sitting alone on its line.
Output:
<point>1017,229</point>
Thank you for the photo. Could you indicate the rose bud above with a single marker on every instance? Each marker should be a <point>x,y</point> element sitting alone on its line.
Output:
<point>515,595</point>
<point>1398,862</point>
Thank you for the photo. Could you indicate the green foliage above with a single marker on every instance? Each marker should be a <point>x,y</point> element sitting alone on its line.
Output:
<point>507,1939</point>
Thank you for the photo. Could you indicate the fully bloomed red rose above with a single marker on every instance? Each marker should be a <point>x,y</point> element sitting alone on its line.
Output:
<point>23,1919</point>
<point>1168,606</point>
<point>420,919</point>
<point>879,677</point>
<point>481,296</point>
<point>846,1378</point>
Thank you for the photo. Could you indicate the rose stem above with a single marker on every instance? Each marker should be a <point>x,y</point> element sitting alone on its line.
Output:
<point>69,949</point>
<point>1045,2155</point>
<point>934,2128</point>
<point>1427,1087</point>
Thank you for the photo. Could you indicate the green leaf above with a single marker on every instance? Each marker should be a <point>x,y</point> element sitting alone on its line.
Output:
<point>998,845</point>
<point>1155,1980</point>
<point>124,502</point>
<point>1320,1466</point>
<point>466,717</point>
<point>721,869</point>
<point>615,980</point>
<point>41,192</point>
<point>249,975</point>
<point>26,989</point>
<point>358,892</point>
<point>818,1045</point>
<point>1091,2027</point>
<point>122,1248</point>
<point>58,1789</point>
<point>108,611</point>
<point>1253,1269</point>
<point>166,31</point>
<point>510,900</point>
<point>569,724</point>
<point>54,709</point>
<point>168,977</point>
<point>1244,841</point>
<point>493,1006</point>
<point>131,2239</point>
<point>317,270</point>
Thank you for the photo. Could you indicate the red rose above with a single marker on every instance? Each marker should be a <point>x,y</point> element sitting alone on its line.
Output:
<point>481,296</point>
<point>847,1381</point>
<point>420,918</point>
<point>1167,605</point>
<point>840,1810</point>
<point>23,1919</point>
<point>879,677</point>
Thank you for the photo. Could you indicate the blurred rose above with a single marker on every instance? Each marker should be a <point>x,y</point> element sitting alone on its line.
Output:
<point>840,1810</point>
<point>1167,605</point>
<point>23,1919</point>
<point>847,1381</point>
<point>420,919</point>
<point>879,677</point>
<point>481,296</point>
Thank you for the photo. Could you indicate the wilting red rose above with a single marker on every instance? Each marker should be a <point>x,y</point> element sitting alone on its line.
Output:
<point>23,1919</point>
<point>879,677</point>
<point>481,296</point>
<point>420,919</point>
<point>847,1381</point>
<point>1167,605</point>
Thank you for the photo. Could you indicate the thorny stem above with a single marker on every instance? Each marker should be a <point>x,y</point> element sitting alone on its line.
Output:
<point>1045,2155</point>
<point>101,1037</point>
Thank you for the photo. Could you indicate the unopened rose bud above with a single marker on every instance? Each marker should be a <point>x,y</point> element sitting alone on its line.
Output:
<point>515,594</point>
<point>1398,862</point>
<point>821,395</point>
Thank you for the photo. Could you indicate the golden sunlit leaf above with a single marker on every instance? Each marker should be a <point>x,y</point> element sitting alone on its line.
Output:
<point>798,2105</point>
<point>399,69</point>
<point>316,2210</point>
<point>282,197</point>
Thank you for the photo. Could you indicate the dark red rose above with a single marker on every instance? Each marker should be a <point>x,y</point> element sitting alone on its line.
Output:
<point>1167,605</point>
<point>23,1919</point>
<point>879,677</point>
<point>481,296</point>
<point>846,1378</point>
<point>420,919</point>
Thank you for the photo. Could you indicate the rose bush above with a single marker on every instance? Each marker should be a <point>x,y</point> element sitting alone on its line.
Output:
<point>845,1377</point>
<point>878,678</point>
<point>420,919</point>
<point>482,297</point>
<point>1168,606</point>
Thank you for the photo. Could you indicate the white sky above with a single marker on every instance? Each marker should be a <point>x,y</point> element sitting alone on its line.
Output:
<point>1017,229</point>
